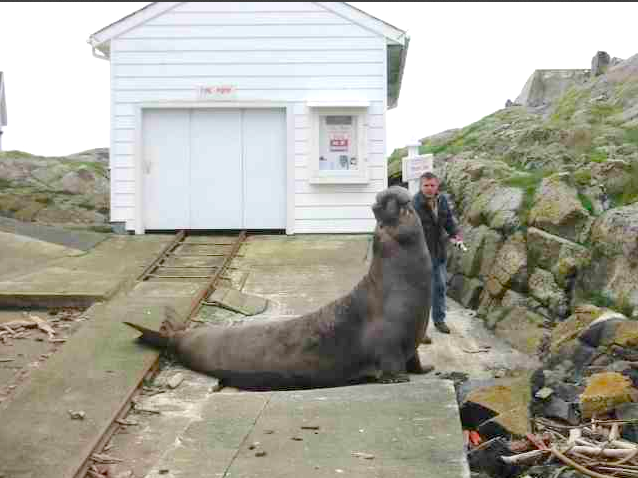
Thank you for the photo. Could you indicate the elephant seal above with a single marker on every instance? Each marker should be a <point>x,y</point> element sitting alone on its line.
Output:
<point>372,333</point>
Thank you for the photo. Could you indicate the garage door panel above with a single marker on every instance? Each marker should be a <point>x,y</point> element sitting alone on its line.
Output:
<point>165,169</point>
<point>216,170</point>
<point>264,154</point>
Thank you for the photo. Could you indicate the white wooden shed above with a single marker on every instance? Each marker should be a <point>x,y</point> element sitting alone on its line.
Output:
<point>249,115</point>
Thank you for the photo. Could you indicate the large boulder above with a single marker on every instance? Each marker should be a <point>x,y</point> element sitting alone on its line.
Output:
<point>496,407</point>
<point>550,252</point>
<point>616,233</point>
<point>509,270</point>
<point>55,190</point>
<point>497,207</point>
<point>465,290</point>
<point>467,178</point>
<point>543,287</point>
<point>492,242</point>
<point>566,332</point>
<point>558,210</point>
<point>604,392</point>
<point>615,175</point>
<point>600,63</point>
<point>613,270</point>
<point>82,181</point>
<point>482,245</point>
<point>520,327</point>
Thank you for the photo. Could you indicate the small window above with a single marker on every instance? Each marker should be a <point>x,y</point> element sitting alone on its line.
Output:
<point>337,143</point>
<point>338,151</point>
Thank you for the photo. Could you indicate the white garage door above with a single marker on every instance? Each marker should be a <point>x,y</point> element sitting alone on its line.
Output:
<point>214,169</point>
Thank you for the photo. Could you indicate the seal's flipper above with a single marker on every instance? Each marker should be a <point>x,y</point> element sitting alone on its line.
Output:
<point>150,337</point>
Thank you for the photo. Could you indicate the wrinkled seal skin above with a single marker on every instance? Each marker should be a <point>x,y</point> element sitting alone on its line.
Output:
<point>371,333</point>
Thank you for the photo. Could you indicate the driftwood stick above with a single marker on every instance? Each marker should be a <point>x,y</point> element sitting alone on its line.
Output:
<point>620,443</point>
<point>608,452</point>
<point>627,445</point>
<point>20,323</point>
<point>574,434</point>
<point>524,457</point>
<point>614,433</point>
<point>618,470</point>
<point>552,424</point>
<point>575,465</point>
<point>629,457</point>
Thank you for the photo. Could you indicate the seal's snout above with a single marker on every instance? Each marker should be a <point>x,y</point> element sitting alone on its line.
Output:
<point>389,204</point>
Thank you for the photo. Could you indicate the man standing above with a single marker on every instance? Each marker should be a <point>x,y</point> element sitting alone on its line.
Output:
<point>436,216</point>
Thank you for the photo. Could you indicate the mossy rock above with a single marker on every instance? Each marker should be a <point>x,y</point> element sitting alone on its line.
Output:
<point>569,329</point>
<point>521,328</point>
<point>509,399</point>
<point>29,212</point>
<point>604,392</point>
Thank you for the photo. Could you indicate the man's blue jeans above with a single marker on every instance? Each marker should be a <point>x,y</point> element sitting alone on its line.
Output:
<point>439,273</point>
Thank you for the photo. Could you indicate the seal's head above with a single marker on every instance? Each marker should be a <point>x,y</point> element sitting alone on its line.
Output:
<point>397,221</point>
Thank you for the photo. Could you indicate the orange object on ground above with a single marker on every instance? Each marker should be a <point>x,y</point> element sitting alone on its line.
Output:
<point>475,438</point>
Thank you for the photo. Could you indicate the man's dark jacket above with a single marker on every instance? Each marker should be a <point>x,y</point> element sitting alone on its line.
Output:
<point>433,228</point>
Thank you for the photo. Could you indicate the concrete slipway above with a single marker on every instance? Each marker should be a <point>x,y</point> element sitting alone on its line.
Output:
<point>411,429</point>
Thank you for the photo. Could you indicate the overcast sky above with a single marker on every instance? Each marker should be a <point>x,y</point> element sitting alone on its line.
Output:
<point>465,60</point>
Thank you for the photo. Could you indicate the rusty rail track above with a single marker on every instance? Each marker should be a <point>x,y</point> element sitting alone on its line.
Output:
<point>153,272</point>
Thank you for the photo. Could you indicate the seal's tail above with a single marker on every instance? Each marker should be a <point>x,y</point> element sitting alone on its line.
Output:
<point>150,337</point>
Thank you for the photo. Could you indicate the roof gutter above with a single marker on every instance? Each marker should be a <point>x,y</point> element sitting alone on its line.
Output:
<point>94,44</point>
<point>101,57</point>
<point>404,54</point>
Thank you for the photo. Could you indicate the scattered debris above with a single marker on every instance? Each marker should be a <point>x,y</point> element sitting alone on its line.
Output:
<point>310,427</point>
<point>175,380</point>
<point>146,410</point>
<point>544,393</point>
<point>260,453</point>
<point>594,448</point>
<point>6,359</point>
<point>104,459</point>
<point>500,373</point>
<point>365,456</point>
<point>127,422</point>
<point>253,445</point>
<point>43,325</point>
<point>297,438</point>
<point>269,432</point>
<point>79,415</point>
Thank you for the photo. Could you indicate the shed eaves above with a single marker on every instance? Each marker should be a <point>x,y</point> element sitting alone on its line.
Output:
<point>397,39</point>
<point>3,102</point>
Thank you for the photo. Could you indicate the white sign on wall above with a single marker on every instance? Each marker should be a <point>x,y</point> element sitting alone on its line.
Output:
<point>414,167</point>
<point>217,92</point>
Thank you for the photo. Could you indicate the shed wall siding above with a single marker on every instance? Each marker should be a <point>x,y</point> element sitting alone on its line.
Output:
<point>292,52</point>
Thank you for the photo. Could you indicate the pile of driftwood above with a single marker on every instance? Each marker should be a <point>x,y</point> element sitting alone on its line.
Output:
<point>594,449</point>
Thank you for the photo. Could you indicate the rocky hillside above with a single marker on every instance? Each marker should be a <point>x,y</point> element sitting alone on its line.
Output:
<point>548,198</point>
<point>71,190</point>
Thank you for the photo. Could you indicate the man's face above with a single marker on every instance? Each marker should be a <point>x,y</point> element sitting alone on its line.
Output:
<point>429,187</point>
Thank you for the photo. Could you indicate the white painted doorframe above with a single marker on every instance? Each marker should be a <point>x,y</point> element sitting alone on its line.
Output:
<point>138,153</point>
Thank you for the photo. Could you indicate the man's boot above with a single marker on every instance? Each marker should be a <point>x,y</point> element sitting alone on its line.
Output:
<point>442,327</point>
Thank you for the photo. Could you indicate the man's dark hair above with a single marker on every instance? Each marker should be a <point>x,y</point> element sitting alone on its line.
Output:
<point>428,175</point>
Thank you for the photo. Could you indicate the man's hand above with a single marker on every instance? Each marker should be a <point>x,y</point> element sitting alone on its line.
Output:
<point>458,242</point>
